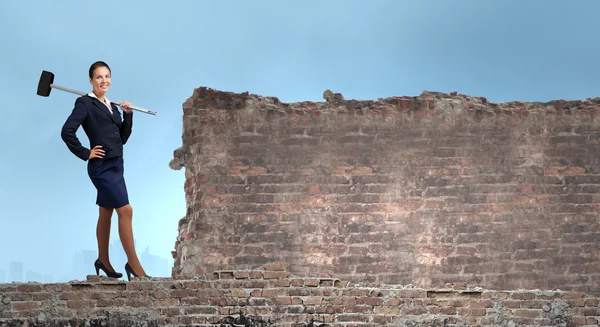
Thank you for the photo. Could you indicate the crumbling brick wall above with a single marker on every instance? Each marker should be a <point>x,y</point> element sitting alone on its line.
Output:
<point>271,296</point>
<point>436,210</point>
<point>426,190</point>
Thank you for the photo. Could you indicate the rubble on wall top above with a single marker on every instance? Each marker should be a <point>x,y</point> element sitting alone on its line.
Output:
<point>208,98</point>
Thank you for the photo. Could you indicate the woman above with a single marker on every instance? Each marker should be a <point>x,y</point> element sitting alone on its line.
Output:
<point>107,133</point>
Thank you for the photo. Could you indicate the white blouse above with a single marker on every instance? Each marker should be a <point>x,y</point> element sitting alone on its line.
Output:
<point>107,102</point>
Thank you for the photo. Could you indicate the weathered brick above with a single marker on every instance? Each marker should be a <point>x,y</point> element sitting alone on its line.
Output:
<point>255,275</point>
<point>370,301</point>
<point>579,321</point>
<point>166,303</point>
<point>592,303</point>
<point>528,313</point>
<point>139,286</point>
<point>313,301</point>
<point>413,310</point>
<point>27,288</point>
<point>344,301</point>
<point>275,274</point>
<point>311,282</point>
<point>522,296</point>
<point>41,296</point>
<point>160,295</point>
<point>202,310</point>
<point>22,306</point>
<point>238,293</point>
<point>183,293</point>
<point>283,300</point>
<point>272,292</point>
<point>574,295</point>
<point>21,297</point>
<point>352,318</point>
<point>75,304</point>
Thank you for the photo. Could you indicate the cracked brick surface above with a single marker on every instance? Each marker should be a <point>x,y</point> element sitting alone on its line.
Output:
<point>260,298</point>
<point>422,190</point>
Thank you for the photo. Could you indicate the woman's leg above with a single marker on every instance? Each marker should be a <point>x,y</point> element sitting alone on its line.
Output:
<point>125,214</point>
<point>103,235</point>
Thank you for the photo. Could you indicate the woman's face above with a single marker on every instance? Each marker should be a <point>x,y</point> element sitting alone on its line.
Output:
<point>101,80</point>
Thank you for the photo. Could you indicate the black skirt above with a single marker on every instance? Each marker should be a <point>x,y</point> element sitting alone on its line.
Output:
<point>107,177</point>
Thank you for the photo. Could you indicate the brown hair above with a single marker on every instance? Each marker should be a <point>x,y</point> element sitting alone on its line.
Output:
<point>96,65</point>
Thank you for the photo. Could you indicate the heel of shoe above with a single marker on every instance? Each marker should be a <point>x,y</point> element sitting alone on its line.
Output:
<point>129,271</point>
<point>100,266</point>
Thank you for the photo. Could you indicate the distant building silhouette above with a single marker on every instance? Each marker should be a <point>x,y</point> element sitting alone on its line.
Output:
<point>83,264</point>
<point>32,276</point>
<point>16,271</point>
<point>48,278</point>
<point>118,259</point>
<point>155,265</point>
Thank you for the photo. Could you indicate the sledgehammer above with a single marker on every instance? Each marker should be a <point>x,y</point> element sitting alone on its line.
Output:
<point>46,84</point>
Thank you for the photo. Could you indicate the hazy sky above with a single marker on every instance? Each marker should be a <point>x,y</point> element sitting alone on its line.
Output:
<point>160,51</point>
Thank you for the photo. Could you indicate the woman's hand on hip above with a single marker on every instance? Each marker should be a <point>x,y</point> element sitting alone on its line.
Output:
<point>125,106</point>
<point>96,152</point>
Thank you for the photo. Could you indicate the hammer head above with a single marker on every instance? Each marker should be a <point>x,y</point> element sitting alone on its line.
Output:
<point>46,79</point>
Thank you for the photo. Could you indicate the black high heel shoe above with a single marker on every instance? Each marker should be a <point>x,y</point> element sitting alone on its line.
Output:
<point>130,272</point>
<point>99,265</point>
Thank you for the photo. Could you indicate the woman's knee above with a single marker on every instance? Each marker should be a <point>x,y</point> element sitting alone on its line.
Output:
<point>105,212</point>
<point>125,211</point>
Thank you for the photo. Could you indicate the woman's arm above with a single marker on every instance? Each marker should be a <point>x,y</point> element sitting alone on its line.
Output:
<point>126,126</point>
<point>71,126</point>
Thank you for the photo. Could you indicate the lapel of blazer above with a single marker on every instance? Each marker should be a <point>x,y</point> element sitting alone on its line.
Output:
<point>116,116</point>
<point>105,110</point>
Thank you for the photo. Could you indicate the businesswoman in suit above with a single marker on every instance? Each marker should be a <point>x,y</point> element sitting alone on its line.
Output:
<point>107,133</point>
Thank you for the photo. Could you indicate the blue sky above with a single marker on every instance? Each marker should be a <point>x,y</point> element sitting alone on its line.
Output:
<point>536,50</point>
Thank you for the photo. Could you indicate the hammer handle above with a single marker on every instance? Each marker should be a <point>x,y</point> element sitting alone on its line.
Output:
<point>115,102</point>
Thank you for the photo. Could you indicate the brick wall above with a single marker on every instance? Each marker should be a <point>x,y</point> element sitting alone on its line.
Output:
<point>426,190</point>
<point>436,210</point>
<point>273,297</point>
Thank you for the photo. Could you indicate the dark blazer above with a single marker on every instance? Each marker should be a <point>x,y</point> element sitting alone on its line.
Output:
<point>101,127</point>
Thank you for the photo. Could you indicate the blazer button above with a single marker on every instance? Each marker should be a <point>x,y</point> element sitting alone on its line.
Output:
<point>116,132</point>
